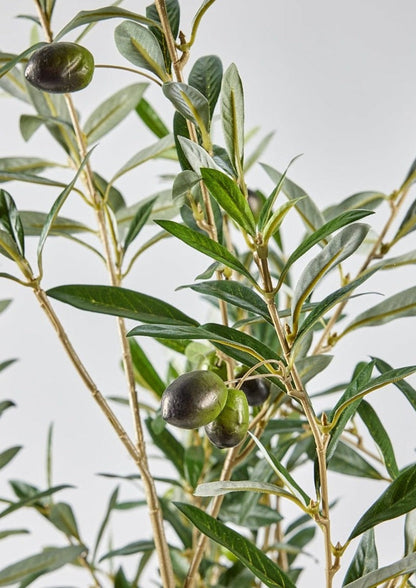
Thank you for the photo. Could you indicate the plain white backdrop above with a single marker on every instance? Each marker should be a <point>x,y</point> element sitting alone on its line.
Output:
<point>336,80</point>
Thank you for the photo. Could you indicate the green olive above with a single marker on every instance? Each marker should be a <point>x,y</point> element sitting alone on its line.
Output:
<point>257,391</point>
<point>194,399</point>
<point>231,425</point>
<point>60,68</point>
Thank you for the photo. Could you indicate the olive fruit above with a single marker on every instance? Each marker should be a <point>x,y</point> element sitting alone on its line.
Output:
<point>194,399</point>
<point>231,425</point>
<point>257,391</point>
<point>60,68</point>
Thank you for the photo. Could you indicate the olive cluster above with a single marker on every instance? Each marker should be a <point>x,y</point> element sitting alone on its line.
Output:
<point>201,399</point>
<point>60,68</point>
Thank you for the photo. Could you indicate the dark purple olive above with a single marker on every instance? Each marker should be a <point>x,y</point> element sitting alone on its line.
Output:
<point>60,68</point>
<point>194,399</point>
<point>231,425</point>
<point>257,391</point>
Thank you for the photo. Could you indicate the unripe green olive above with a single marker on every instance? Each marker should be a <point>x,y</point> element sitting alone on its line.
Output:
<point>194,399</point>
<point>231,425</point>
<point>60,68</point>
<point>257,391</point>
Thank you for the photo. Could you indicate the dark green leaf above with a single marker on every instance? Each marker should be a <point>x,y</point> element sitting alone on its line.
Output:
<point>194,461</point>
<point>120,580</point>
<point>398,499</point>
<point>365,559</point>
<point>230,197</point>
<point>112,111</point>
<point>138,222</point>
<point>4,304</point>
<point>348,461</point>
<point>232,114</point>
<point>174,518</point>
<point>5,404</point>
<point>169,445</point>
<point>120,302</point>
<point>8,455</point>
<point>15,59</point>
<point>144,372</point>
<point>130,549</point>
<point>32,499</point>
<point>139,46</point>
<point>88,16</point>
<point>112,503</point>
<point>404,387</point>
<point>189,102</point>
<point>151,119</point>
<point>112,195</point>
<point>407,565</point>
<point>206,76</point>
<point>252,557</point>
<point>408,224</point>
<point>46,561</point>
<point>380,436</point>
<point>206,245</point>
<point>10,221</point>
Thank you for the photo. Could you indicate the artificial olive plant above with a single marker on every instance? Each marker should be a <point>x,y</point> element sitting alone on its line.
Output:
<point>238,386</point>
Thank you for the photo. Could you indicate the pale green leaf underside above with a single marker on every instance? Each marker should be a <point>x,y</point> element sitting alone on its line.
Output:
<point>407,565</point>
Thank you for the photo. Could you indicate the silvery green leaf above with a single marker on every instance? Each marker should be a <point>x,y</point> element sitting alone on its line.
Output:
<point>232,113</point>
<point>407,565</point>
<point>220,488</point>
<point>158,149</point>
<point>196,155</point>
<point>339,248</point>
<point>13,83</point>
<point>139,46</point>
<point>31,165</point>
<point>309,367</point>
<point>112,111</point>
<point>189,102</point>
<point>368,200</point>
<point>183,183</point>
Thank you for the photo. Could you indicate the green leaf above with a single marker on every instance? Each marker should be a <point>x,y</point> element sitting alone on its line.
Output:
<point>258,151</point>
<point>259,515</point>
<point>252,557</point>
<point>273,225</point>
<point>113,197</point>
<point>32,499</point>
<point>4,365</point>
<point>408,224</point>
<point>46,561</point>
<point>189,102</point>
<point>6,176</point>
<point>144,372</point>
<point>86,17</point>
<point>346,460</point>
<point>232,114</point>
<point>175,519</point>
<point>15,59</point>
<point>402,304</point>
<point>4,304</point>
<point>61,515</point>
<point>183,183</point>
<point>339,248</point>
<point>365,559</point>
<point>234,293</point>
<point>395,262</point>
<point>53,213</point>
<point>398,499</point>
<point>8,247</point>
<point>151,119</point>
<point>154,151</point>
<point>380,436</point>
<point>194,461</point>
<point>139,46</point>
<point>139,220</point>
<point>112,111</point>
<point>11,222</point>
<point>7,455</point>
<point>25,164</point>
<point>196,155</point>
<point>369,200</point>
<point>229,196</point>
<point>33,222</point>
<point>221,488</point>
<point>410,532</point>
<point>309,367</point>
<point>206,76</point>
<point>112,503</point>
<point>306,208</point>
<point>120,302</point>
<point>120,580</point>
<point>206,245</point>
<point>407,565</point>
<point>129,549</point>
<point>10,532</point>
<point>321,234</point>
<point>404,387</point>
<point>169,445</point>
<point>5,404</point>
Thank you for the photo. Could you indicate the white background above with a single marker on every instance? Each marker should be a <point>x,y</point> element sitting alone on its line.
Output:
<point>336,80</point>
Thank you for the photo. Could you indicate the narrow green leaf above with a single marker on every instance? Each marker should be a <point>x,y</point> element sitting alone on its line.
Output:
<point>221,488</point>
<point>46,561</point>
<point>369,200</point>
<point>395,262</point>
<point>120,580</point>
<point>404,387</point>
<point>408,223</point>
<point>346,460</point>
<point>398,499</point>
<point>11,222</point>
<point>365,559</point>
<point>206,245</point>
<point>206,76</point>
<point>175,519</point>
<point>5,404</point>
<point>380,436</point>
<point>120,302</point>
<point>10,532</point>
<point>252,557</point>
<point>258,151</point>
<point>189,102</point>
<point>62,517</point>
<point>15,59</point>
<point>194,460</point>
<point>8,247</point>
<point>229,196</point>
<point>320,235</point>
<point>138,222</point>
<point>232,114</point>
<point>151,119</point>
<point>6,176</point>
<point>7,455</point>
<point>139,46</point>
<point>169,445</point>
<point>306,208</point>
<point>25,164</point>
<point>33,498</point>
<point>53,213</point>
<point>129,549</point>
<point>273,225</point>
<point>406,565</point>
<point>113,197</point>
<point>309,367</point>
<point>410,532</point>
<point>112,111</point>
<point>110,507</point>
<point>86,17</point>
<point>400,305</point>
<point>234,293</point>
<point>33,222</point>
<point>196,155</point>
<point>339,248</point>
<point>154,151</point>
<point>144,372</point>
<point>4,304</point>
